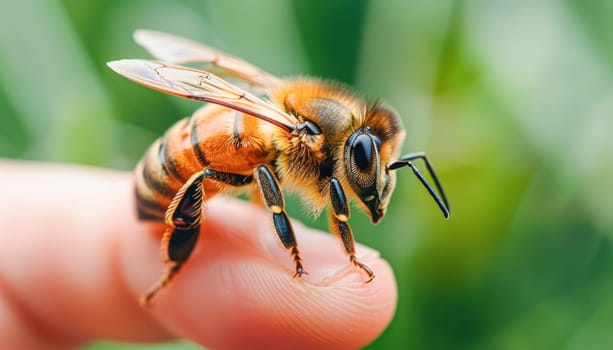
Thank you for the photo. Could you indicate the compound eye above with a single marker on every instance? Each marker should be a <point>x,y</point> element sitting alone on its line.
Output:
<point>363,151</point>
<point>363,159</point>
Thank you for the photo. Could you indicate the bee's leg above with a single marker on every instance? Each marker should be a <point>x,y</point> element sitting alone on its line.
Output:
<point>339,215</point>
<point>273,197</point>
<point>183,226</point>
<point>183,221</point>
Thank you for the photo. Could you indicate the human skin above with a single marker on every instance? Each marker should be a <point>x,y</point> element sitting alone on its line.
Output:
<point>74,261</point>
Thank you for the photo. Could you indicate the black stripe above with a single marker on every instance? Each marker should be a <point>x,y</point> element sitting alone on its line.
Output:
<point>144,214</point>
<point>168,162</point>
<point>148,209</point>
<point>160,155</point>
<point>155,183</point>
<point>193,131</point>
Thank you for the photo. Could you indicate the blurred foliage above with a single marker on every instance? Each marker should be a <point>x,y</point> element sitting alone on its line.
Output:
<point>513,102</point>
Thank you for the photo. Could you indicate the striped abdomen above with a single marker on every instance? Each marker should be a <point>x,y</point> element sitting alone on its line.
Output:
<point>214,137</point>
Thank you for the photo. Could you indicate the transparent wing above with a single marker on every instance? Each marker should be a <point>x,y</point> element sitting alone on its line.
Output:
<point>200,85</point>
<point>178,50</point>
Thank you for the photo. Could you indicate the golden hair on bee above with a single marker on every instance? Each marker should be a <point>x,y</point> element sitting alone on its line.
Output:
<point>308,135</point>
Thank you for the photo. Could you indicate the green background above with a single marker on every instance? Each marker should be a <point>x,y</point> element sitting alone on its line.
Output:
<point>512,101</point>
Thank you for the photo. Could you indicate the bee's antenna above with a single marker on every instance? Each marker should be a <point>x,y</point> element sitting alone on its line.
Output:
<point>441,201</point>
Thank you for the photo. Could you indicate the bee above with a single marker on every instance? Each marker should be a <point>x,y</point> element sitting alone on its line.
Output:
<point>306,134</point>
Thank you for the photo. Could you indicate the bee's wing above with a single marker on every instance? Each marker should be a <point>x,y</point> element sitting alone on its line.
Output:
<point>202,86</point>
<point>177,50</point>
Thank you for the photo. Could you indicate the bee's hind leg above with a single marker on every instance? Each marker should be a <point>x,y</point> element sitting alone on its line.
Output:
<point>177,245</point>
<point>183,227</point>
<point>183,221</point>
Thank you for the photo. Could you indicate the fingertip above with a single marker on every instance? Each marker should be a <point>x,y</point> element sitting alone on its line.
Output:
<point>237,290</point>
<point>250,305</point>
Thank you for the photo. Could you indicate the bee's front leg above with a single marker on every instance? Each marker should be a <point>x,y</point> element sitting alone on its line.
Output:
<point>273,197</point>
<point>339,217</point>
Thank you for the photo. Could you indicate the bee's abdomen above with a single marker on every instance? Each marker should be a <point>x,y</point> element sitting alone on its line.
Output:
<point>216,138</point>
<point>161,172</point>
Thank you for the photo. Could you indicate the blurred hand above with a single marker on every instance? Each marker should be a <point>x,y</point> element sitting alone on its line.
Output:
<point>74,261</point>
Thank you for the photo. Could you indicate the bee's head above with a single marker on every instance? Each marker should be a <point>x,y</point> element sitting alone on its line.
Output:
<point>366,154</point>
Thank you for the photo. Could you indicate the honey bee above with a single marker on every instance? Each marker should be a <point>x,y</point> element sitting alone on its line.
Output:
<point>307,134</point>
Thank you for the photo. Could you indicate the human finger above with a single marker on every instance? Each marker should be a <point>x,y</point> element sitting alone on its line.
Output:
<point>237,289</point>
